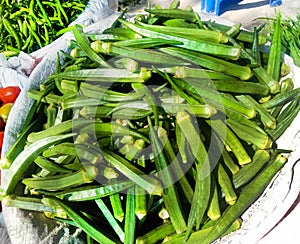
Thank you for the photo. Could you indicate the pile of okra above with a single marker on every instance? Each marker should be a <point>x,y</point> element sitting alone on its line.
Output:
<point>159,129</point>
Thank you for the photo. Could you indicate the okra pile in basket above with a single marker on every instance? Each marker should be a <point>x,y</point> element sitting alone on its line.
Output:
<point>160,129</point>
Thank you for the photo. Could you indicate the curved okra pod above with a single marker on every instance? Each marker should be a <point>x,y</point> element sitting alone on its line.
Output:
<point>81,221</point>
<point>25,158</point>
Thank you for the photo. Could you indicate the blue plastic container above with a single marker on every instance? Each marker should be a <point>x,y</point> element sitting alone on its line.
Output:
<point>214,6</point>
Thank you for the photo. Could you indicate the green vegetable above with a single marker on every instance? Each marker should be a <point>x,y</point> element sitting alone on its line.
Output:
<point>32,24</point>
<point>247,196</point>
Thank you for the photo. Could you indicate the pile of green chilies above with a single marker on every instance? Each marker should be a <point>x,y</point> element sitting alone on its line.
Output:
<point>32,24</point>
<point>290,36</point>
<point>159,130</point>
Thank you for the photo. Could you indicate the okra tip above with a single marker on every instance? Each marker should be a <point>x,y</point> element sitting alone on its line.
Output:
<point>2,194</point>
<point>4,163</point>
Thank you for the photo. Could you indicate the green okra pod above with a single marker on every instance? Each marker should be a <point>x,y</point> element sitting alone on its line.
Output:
<point>110,218</point>
<point>201,46</point>
<point>25,159</point>
<point>170,195</point>
<point>148,182</point>
<point>61,182</point>
<point>82,221</point>
<point>93,192</point>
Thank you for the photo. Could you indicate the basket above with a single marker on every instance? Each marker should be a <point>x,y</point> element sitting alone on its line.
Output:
<point>29,227</point>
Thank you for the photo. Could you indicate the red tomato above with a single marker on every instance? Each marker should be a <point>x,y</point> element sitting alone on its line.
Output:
<point>1,138</point>
<point>2,124</point>
<point>9,94</point>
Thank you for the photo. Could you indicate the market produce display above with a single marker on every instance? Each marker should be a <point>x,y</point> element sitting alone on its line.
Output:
<point>32,24</point>
<point>161,129</point>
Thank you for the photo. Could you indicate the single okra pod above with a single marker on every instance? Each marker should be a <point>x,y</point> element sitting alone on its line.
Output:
<point>82,221</point>
<point>61,128</point>
<point>110,218</point>
<point>26,203</point>
<point>25,159</point>
<point>84,43</point>
<point>104,75</point>
<point>210,62</point>
<point>140,202</point>
<point>50,165</point>
<point>274,61</point>
<point>116,205</point>
<point>93,192</point>
<point>130,218</point>
<point>61,182</point>
<point>194,34</point>
<point>170,195</point>
<point>142,55</point>
<point>157,234</point>
<point>248,172</point>
<point>226,185</point>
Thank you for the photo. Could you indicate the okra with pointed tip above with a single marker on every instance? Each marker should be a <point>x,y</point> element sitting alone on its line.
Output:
<point>84,43</point>
<point>142,43</point>
<point>170,195</point>
<point>201,194</point>
<point>213,211</point>
<point>50,166</point>
<point>26,203</point>
<point>266,118</point>
<point>139,54</point>
<point>82,221</point>
<point>274,61</point>
<point>104,75</point>
<point>226,185</point>
<point>210,62</point>
<point>250,135</point>
<point>61,128</point>
<point>174,14</point>
<point>193,34</point>
<point>108,215</point>
<point>231,140</point>
<point>61,182</point>
<point>87,193</point>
